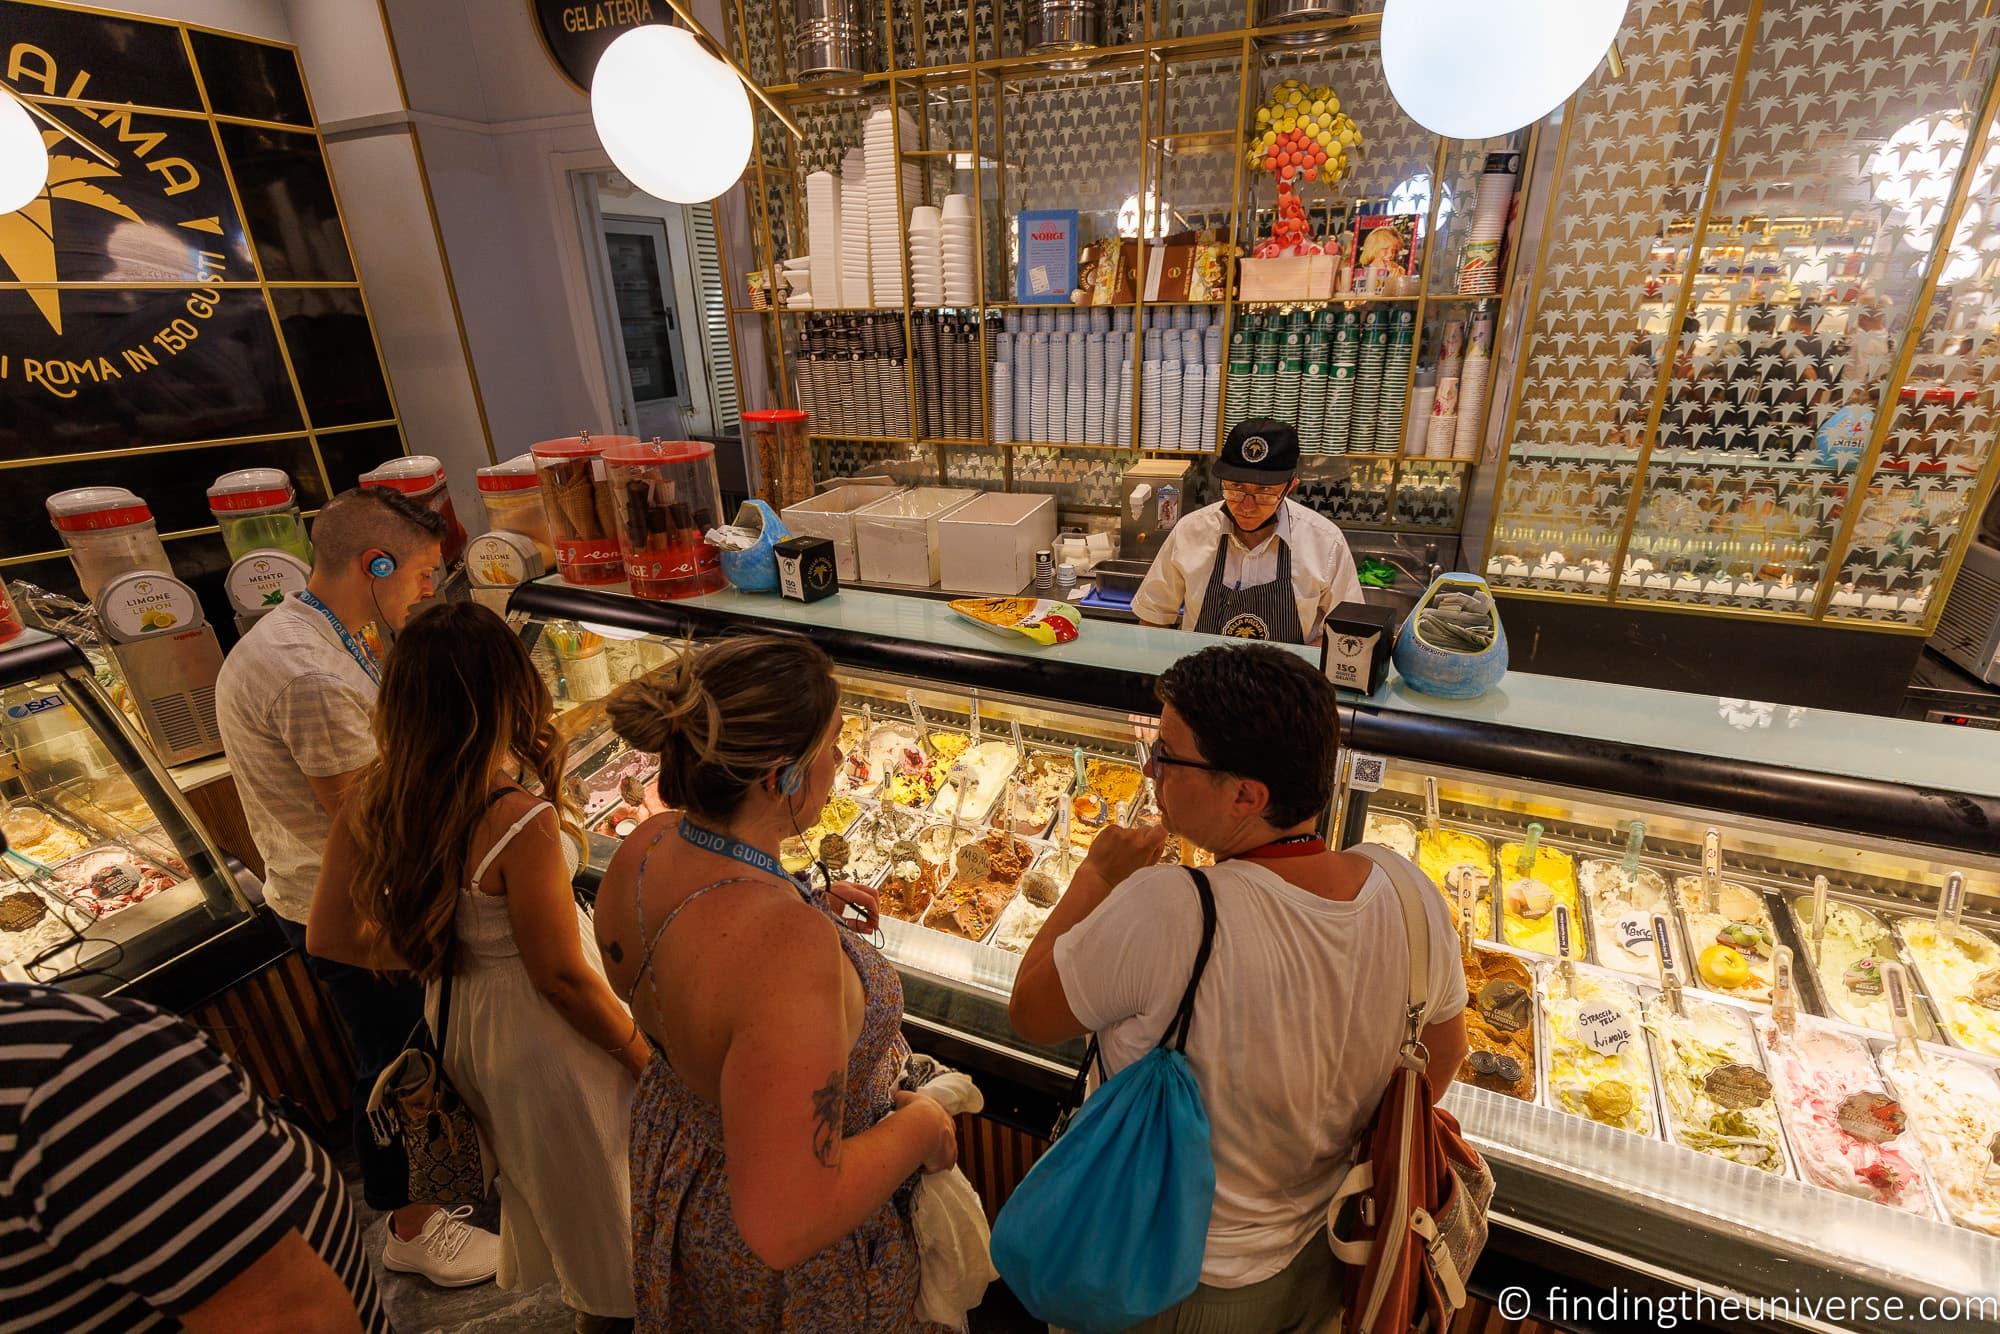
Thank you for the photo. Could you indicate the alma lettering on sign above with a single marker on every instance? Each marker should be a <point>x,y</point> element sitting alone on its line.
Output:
<point>144,189</point>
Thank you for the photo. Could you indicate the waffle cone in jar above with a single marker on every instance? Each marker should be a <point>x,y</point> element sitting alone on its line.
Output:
<point>576,505</point>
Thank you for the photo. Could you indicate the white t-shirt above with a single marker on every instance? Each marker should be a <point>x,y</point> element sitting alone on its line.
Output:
<point>1323,574</point>
<point>1296,1027</point>
<point>292,702</point>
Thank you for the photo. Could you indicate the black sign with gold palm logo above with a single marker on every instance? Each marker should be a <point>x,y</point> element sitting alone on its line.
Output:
<point>136,312</point>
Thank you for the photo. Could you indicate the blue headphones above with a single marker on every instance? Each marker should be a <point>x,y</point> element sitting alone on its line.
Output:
<point>381,565</point>
<point>791,778</point>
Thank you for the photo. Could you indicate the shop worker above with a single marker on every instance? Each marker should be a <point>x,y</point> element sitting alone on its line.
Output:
<point>1256,565</point>
<point>295,704</point>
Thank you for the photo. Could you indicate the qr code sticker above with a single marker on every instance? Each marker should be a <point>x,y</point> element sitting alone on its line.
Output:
<point>1367,772</point>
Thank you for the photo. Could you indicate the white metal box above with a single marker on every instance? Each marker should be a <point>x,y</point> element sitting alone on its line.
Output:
<point>896,539</point>
<point>830,515</point>
<point>989,545</point>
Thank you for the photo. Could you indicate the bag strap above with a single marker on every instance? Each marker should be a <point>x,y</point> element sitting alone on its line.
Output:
<point>444,978</point>
<point>1416,931</point>
<point>1177,1031</point>
<point>1183,1014</point>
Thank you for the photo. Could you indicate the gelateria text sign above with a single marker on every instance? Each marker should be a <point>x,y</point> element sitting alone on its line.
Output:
<point>577,31</point>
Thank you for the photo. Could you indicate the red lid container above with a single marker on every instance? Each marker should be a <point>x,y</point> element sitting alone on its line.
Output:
<point>577,495</point>
<point>666,498</point>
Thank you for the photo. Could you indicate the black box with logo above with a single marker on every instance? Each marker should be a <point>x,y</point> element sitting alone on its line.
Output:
<point>1355,652</point>
<point>806,568</point>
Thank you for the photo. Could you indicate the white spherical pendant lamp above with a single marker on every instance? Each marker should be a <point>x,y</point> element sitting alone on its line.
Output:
<point>674,119</point>
<point>1471,69</point>
<point>24,162</point>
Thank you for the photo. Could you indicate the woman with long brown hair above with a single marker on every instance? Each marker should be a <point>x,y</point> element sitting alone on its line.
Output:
<point>773,1154</point>
<point>452,858</point>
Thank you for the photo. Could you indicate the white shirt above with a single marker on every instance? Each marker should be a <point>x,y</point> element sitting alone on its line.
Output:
<point>1295,1032</point>
<point>1322,567</point>
<point>291,702</point>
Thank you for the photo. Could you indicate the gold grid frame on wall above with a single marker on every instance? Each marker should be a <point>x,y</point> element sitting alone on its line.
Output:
<point>1200,59</point>
<point>131,121</point>
<point>1722,217</point>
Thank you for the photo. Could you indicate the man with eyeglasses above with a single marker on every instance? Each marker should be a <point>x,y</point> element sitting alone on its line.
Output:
<point>1256,565</point>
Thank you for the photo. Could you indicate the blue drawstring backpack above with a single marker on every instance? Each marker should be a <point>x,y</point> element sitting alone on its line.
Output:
<point>1109,1226</point>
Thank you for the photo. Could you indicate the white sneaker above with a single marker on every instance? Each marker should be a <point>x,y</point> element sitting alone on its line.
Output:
<point>449,1252</point>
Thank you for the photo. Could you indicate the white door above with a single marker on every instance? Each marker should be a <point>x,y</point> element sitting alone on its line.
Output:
<point>646,322</point>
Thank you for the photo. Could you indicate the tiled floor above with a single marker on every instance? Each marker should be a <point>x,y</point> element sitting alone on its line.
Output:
<point>416,1307</point>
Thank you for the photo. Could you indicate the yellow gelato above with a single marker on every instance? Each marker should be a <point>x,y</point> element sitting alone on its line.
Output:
<point>1962,975</point>
<point>1529,897</point>
<point>1456,863</point>
<point>797,853</point>
<point>1740,926</point>
<point>1598,1067</point>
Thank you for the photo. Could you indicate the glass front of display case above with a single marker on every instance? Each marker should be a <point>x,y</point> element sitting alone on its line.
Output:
<point>1677,1132</point>
<point>107,876</point>
<point>1811,1064</point>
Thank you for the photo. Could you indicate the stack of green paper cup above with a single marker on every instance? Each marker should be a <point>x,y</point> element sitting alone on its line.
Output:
<point>1395,378</point>
<point>1312,407</point>
<point>1263,370</point>
<point>1291,374</point>
<point>1236,402</point>
<point>1340,382</point>
<point>1368,382</point>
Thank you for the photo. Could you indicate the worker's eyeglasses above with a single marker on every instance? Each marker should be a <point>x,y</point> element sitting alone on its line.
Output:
<point>1244,491</point>
<point>1159,755</point>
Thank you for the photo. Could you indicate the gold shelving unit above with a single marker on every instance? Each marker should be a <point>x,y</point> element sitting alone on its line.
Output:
<point>1156,122</point>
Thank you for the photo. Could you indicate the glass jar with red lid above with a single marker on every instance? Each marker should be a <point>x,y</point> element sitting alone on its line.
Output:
<point>666,498</point>
<point>109,531</point>
<point>577,496</point>
<point>784,455</point>
<point>421,478</point>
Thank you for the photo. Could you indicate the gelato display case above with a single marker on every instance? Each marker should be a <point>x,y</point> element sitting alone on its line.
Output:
<point>109,883</point>
<point>1694,1128</point>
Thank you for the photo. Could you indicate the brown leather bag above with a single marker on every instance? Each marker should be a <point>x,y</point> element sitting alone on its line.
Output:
<point>1409,1218</point>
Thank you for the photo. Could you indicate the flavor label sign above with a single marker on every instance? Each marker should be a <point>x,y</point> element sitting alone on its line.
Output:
<point>262,579</point>
<point>140,605</point>
<point>1605,1028</point>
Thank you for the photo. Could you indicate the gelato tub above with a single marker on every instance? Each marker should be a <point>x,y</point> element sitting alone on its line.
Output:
<point>1962,975</point>
<point>32,920</point>
<point>908,887</point>
<point>1595,1049</point>
<point>1109,787</point>
<point>1022,919</point>
<point>1037,792</point>
<point>1528,899</point>
<point>107,878</point>
<point>37,834</point>
<point>1719,1098</point>
<point>1392,832</point>
<point>915,767</point>
<point>796,853</point>
<point>1500,1025</point>
<point>970,904</point>
<point>1826,1082</point>
<point>1954,1106</point>
<point>1621,915</point>
<point>604,787</point>
<point>1849,967</point>
<point>1731,944</point>
<point>990,764</point>
<point>1459,863</point>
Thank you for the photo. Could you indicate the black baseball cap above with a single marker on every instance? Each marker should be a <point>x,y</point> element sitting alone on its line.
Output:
<point>1262,451</point>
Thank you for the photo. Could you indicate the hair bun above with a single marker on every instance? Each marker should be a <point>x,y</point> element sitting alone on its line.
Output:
<point>653,712</point>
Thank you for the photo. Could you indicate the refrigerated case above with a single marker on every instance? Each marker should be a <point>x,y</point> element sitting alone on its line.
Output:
<point>1664,1185</point>
<point>110,884</point>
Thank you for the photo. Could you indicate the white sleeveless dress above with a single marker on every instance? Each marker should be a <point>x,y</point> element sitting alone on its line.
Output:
<point>556,1110</point>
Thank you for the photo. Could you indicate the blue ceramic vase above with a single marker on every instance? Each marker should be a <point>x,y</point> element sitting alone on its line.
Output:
<point>755,569</point>
<point>1450,673</point>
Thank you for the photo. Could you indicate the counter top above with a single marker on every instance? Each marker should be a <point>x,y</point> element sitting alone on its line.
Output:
<point>1812,741</point>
